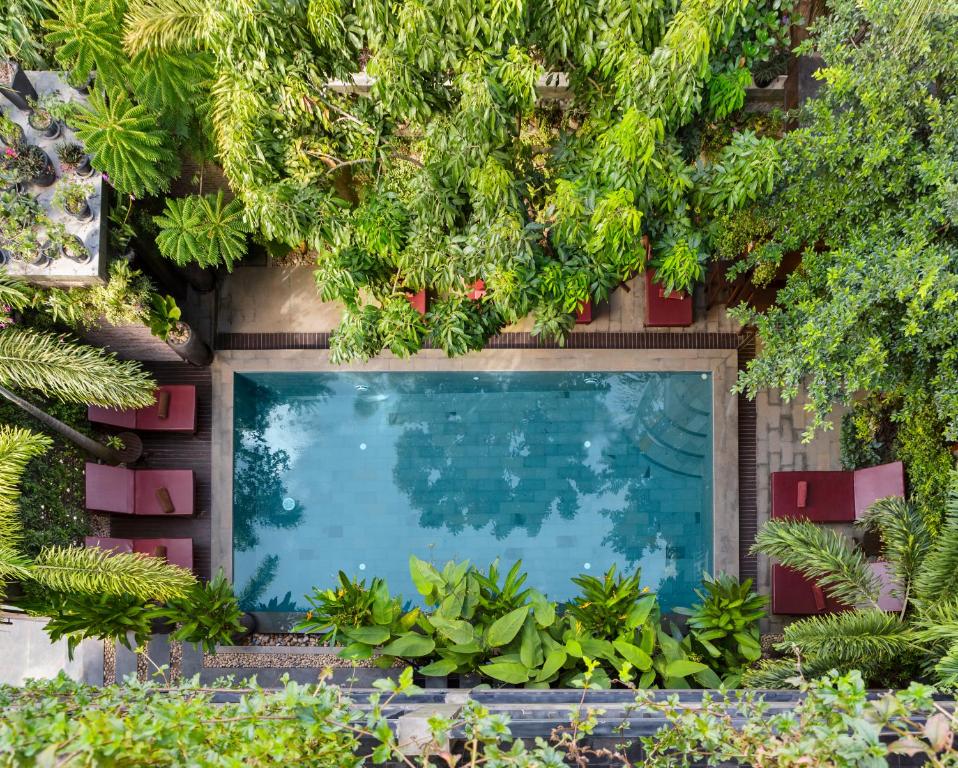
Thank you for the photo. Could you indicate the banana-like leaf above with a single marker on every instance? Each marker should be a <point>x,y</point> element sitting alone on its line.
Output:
<point>503,630</point>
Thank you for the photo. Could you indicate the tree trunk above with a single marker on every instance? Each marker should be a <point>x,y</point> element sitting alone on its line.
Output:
<point>88,444</point>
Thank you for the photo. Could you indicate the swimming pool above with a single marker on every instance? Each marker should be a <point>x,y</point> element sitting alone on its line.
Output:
<point>570,472</point>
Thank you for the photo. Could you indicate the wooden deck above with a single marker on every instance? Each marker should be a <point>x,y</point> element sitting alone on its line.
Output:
<point>179,452</point>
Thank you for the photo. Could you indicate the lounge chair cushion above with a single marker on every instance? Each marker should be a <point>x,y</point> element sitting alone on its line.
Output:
<point>177,401</point>
<point>178,551</point>
<point>178,483</point>
<point>180,410</point>
<point>876,483</point>
<point>829,496</point>
<point>887,599</point>
<point>793,594</point>
<point>109,489</point>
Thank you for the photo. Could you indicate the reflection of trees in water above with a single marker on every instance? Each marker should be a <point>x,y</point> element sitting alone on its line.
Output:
<point>435,454</point>
<point>258,468</point>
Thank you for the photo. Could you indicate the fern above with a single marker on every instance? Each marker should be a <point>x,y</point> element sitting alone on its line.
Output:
<point>823,555</point>
<point>167,84</point>
<point>14,291</point>
<point>905,537</point>
<point>86,37</point>
<point>851,638</point>
<point>124,140</point>
<point>202,230</point>
<point>936,578</point>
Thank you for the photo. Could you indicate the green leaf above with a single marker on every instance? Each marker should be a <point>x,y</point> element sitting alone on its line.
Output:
<point>503,630</point>
<point>530,648</point>
<point>640,612</point>
<point>370,635</point>
<point>410,646</point>
<point>358,651</point>
<point>459,632</point>
<point>439,668</point>
<point>424,576</point>
<point>543,610</point>
<point>633,654</point>
<point>683,668</point>
<point>512,672</point>
<point>552,664</point>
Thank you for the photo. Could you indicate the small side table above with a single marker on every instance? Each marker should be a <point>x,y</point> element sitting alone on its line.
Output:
<point>132,447</point>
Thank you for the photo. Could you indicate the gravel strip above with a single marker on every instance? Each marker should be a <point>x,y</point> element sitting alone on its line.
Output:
<point>143,667</point>
<point>176,657</point>
<point>278,661</point>
<point>293,638</point>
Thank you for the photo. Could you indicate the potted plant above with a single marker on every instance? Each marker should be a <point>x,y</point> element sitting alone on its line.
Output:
<point>73,199</point>
<point>11,133</point>
<point>79,83</point>
<point>165,321</point>
<point>41,117</point>
<point>9,175</point>
<point>15,85</point>
<point>74,159</point>
<point>73,248</point>
<point>34,165</point>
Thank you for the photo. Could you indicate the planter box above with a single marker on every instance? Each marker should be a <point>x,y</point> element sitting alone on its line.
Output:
<point>663,309</point>
<point>418,300</point>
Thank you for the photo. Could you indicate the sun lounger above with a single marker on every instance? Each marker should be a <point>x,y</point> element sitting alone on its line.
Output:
<point>174,410</point>
<point>795,595</point>
<point>834,497</point>
<point>165,492</point>
<point>175,551</point>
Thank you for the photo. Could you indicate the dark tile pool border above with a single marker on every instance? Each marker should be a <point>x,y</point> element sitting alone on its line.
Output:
<point>587,340</point>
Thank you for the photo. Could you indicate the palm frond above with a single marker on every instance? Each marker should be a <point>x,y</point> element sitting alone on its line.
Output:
<point>781,673</point>
<point>93,571</point>
<point>904,534</point>
<point>14,292</point>
<point>947,668</point>
<point>71,372</point>
<point>936,578</point>
<point>168,25</point>
<point>851,638</point>
<point>823,555</point>
<point>17,448</point>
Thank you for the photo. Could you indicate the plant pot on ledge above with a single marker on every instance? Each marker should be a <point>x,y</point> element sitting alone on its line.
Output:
<point>15,85</point>
<point>248,622</point>
<point>188,345</point>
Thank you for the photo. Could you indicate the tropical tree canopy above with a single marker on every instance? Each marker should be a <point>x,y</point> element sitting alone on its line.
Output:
<point>450,158</point>
<point>869,196</point>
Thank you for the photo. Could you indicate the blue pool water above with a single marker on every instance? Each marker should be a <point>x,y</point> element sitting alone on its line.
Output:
<point>569,472</point>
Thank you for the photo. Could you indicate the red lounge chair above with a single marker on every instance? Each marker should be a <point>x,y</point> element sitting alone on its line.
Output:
<point>665,309</point>
<point>139,491</point>
<point>174,410</point>
<point>834,497</point>
<point>584,315</point>
<point>793,594</point>
<point>178,551</point>
<point>418,300</point>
